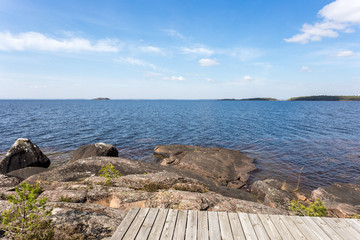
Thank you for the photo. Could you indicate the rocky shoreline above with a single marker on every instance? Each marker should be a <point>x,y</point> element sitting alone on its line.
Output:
<point>185,177</point>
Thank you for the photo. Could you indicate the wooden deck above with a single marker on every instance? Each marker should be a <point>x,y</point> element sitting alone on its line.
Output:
<point>164,224</point>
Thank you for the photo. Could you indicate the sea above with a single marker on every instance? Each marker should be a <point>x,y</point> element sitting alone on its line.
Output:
<point>321,138</point>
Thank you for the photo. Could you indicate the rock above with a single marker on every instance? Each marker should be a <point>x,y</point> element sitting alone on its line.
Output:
<point>343,199</point>
<point>64,195</point>
<point>7,181</point>
<point>23,154</point>
<point>96,149</point>
<point>219,164</point>
<point>27,172</point>
<point>273,193</point>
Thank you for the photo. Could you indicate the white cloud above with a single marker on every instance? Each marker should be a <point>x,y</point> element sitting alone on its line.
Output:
<point>150,49</point>
<point>245,79</point>
<point>305,69</point>
<point>35,41</point>
<point>134,61</point>
<point>206,62</point>
<point>175,78</point>
<point>198,51</point>
<point>246,54</point>
<point>345,54</point>
<point>174,33</point>
<point>337,16</point>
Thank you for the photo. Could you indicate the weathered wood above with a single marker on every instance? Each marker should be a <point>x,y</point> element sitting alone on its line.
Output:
<point>203,225</point>
<point>214,228</point>
<point>247,226</point>
<point>191,227</point>
<point>169,226</point>
<point>280,226</point>
<point>126,222</point>
<point>342,226</point>
<point>163,224</point>
<point>290,225</point>
<point>225,228</point>
<point>238,232</point>
<point>147,224</point>
<point>354,224</point>
<point>305,230</point>
<point>180,227</point>
<point>158,224</point>
<point>326,228</point>
<point>136,224</point>
<point>270,227</point>
<point>320,234</point>
<point>258,227</point>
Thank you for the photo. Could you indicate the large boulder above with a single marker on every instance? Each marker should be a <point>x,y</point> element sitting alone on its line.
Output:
<point>23,154</point>
<point>275,193</point>
<point>96,149</point>
<point>343,199</point>
<point>227,167</point>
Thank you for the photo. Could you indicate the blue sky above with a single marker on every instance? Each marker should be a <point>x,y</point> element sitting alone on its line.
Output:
<point>178,49</point>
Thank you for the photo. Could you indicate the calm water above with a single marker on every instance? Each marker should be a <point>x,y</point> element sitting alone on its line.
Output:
<point>324,137</point>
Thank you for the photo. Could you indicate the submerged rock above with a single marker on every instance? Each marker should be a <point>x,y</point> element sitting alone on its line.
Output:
<point>23,154</point>
<point>227,167</point>
<point>343,199</point>
<point>96,149</point>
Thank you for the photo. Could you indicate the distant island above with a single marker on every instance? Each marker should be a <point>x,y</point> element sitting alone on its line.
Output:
<point>101,98</point>
<point>249,99</point>
<point>326,98</point>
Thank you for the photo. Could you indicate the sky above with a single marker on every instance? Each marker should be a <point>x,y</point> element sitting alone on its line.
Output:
<point>178,49</point>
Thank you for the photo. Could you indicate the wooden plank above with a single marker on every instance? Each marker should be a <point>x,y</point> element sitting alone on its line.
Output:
<point>203,226</point>
<point>147,224</point>
<point>136,224</point>
<point>214,228</point>
<point>315,228</point>
<point>225,228</point>
<point>238,232</point>
<point>326,228</point>
<point>269,227</point>
<point>169,226</point>
<point>341,226</point>
<point>294,230</point>
<point>280,226</point>
<point>124,225</point>
<point>191,227</point>
<point>247,226</point>
<point>158,224</point>
<point>354,224</point>
<point>258,227</point>
<point>305,229</point>
<point>180,227</point>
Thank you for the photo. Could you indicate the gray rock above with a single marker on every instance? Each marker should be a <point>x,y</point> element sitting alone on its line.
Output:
<point>343,199</point>
<point>222,165</point>
<point>8,181</point>
<point>23,154</point>
<point>96,149</point>
<point>274,193</point>
<point>27,172</point>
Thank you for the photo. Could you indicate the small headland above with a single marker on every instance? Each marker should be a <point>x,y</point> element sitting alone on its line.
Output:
<point>326,98</point>
<point>100,98</point>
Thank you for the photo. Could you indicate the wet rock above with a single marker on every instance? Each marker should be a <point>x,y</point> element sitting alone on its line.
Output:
<point>219,164</point>
<point>274,193</point>
<point>96,149</point>
<point>23,154</point>
<point>27,172</point>
<point>343,199</point>
<point>8,181</point>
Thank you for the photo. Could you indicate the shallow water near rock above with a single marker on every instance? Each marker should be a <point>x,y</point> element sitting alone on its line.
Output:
<point>324,137</point>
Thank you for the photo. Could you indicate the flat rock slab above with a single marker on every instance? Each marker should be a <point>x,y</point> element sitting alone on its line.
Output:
<point>227,167</point>
<point>27,172</point>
